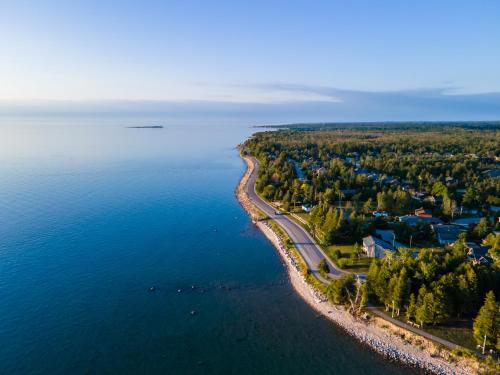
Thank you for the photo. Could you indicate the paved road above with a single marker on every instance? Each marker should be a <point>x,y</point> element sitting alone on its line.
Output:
<point>312,254</point>
<point>306,245</point>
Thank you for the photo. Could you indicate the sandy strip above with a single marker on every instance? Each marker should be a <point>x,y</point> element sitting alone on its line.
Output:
<point>380,335</point>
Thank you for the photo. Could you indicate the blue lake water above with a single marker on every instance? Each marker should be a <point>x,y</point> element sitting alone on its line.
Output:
<point>93,215</point>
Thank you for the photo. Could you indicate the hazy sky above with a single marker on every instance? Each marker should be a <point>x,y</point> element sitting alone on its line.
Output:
<point>335,59</point>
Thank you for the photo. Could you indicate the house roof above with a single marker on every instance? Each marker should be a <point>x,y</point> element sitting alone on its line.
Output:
<point>467,221</point>
<point>447,232</point>
<point>492,173</point>
<point>477,251</point>
<point>413,219</point>
<point>372,240</point>
<point>387,235</point>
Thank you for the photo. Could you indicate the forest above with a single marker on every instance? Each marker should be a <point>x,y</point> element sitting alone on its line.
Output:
<point>348,181</point>
<point>450,171</point>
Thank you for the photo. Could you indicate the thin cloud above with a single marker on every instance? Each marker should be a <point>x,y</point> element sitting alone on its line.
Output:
<point>341,105</point>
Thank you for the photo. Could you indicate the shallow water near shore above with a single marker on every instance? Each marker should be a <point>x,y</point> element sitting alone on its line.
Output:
<point>125,251</point>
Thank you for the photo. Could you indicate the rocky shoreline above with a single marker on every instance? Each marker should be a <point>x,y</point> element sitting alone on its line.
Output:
<point>380,335</point>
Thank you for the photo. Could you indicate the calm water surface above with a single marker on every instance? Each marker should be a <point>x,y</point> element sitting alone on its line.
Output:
<point>92,217</point>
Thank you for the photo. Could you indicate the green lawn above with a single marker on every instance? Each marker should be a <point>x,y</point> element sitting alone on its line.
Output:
<point>457,331</point>
<point>356,264</point>
<point>302,215</point>
<point>344,249</point>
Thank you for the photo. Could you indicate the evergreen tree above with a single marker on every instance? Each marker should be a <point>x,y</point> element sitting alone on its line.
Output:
<point>424,313</point>
<point>412,307</point>
<point>439,189</point>
<point>401,289</point>
<point>340,290</point>
<point>487,322</point>
<point>481,229</point>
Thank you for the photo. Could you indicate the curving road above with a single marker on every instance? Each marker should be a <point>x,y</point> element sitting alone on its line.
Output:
<point>312,254</point>
<point>302,240</point>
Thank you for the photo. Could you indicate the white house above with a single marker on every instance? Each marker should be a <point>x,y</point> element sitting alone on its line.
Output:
<point>375,247</point>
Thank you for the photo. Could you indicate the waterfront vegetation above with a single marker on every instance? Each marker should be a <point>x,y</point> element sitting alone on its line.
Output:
<point>347,182</point>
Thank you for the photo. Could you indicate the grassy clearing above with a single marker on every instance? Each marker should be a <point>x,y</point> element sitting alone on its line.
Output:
<point>348,259</point>
<point>303,215</point>
<point>457,332</point>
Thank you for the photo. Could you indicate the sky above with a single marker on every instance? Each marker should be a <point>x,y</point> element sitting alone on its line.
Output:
<point>262,61</point>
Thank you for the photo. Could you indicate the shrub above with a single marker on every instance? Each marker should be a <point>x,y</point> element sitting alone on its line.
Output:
<point>337,254</point>
<point>343,263</point>
<point>339,289</point>
<point>323,266</point>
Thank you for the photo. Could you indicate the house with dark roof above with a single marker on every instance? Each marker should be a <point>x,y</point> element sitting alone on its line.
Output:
<point>467,221</point>
<point>492,173</point>
<point>389,236</point>
<point>413,220</point>
<point>375,247</point>
<point>477,253</point>
<point>447,234</point>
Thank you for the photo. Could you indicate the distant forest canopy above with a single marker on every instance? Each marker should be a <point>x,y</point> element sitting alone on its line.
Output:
<point>456,168</point>
<point>389,125</point>
<point>415,181</point>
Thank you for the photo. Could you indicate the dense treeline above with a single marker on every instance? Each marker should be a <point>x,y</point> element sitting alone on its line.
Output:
<point>355,180</point>
<point>436,287</point>
<point>419,159</point>
<point>447,281</point>
<point>374,169</point>
<point>390,125</point>
<point>345,173</point>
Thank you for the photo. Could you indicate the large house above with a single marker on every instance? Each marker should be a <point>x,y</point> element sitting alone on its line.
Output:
<point>447,234</point>
<point>389,236</point>
<point>375,247</point>
<point>413,220</point>
<point>467,221</point>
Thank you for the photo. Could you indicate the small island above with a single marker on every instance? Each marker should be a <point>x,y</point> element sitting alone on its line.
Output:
<point>146,127</point>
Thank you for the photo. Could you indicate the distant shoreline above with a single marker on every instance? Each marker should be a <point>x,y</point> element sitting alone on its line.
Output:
<point>374,125</point>
<point>380,335</point>
<point>146,127</point>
